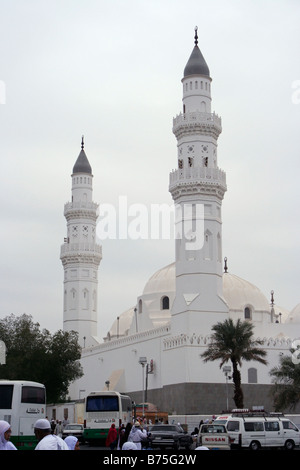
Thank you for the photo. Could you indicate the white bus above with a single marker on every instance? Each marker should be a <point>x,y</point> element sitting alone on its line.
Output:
<point>102,409</point>
<point>22,402</point>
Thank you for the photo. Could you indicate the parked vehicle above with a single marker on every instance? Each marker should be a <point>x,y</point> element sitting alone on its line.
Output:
<point>256,431</point>
<point>74,429</point>
<point>214,437</point>
<point>169,435</point>
<point>22,402</point>
<point>102,409</point>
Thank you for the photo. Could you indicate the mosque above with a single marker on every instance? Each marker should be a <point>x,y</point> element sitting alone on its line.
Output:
<point>153,349</point>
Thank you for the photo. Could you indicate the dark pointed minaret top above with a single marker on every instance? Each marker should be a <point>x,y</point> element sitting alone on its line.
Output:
<point>196,64</point>
<point>82,164</point>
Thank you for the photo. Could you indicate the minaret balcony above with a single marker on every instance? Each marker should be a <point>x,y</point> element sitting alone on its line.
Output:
<point>81,208</point>
<point>195,121</point>
<point>81,250</point>
<point>205,179</point>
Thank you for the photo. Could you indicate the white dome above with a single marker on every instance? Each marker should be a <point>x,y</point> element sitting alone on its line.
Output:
<point>121,325</point>
<point>294,316</point>
<point>238,294</point>
<point>237,291</point>
<point>162,281</point>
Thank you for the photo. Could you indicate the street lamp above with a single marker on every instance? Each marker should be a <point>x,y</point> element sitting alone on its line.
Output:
<point>227,370</point>
<point>143,362</point>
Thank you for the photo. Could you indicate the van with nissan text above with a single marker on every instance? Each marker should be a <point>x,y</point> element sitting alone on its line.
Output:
<point>260,430</point>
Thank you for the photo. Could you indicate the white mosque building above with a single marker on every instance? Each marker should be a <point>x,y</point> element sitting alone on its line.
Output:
<point>171,322</point>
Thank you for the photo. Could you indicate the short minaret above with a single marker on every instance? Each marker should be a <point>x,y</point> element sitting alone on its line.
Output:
<point>197,188</point>
<point>81,255</point>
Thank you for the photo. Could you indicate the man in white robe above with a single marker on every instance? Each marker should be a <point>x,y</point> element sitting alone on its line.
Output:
<point>47,441</point>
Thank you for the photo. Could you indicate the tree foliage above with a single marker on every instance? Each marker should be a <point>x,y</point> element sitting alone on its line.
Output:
<point>286,379</point>
<point>37,355</point>
<point>234,342</point>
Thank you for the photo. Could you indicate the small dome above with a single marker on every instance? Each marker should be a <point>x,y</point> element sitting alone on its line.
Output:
<point>294,316</point>
<point>239,293</point>
<point>196,64</point>
<point>161,281</point>
<point>121,325</point>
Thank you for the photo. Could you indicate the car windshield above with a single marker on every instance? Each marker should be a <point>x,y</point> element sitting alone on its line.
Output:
<point>164,428</point>
<point>213,428</point>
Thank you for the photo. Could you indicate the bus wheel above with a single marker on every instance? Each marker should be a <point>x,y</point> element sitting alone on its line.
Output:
<point>289,445</point>
<point>255,445</point>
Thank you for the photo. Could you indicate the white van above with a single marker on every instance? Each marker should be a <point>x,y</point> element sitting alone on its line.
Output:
<point>255,432</point>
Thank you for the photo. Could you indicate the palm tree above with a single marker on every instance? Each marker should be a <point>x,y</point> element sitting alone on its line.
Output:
<point>234,342</point>
<point>286,378</point>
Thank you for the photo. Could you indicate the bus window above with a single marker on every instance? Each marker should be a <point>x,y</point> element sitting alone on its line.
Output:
<point>6,394</point>
<point>33,395</point>
<point>102,403</point>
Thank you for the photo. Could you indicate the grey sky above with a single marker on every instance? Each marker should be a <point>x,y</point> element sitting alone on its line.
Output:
<point>112,70</point>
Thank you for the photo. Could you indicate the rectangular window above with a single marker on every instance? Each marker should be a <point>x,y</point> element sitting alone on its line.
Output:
<point>233,426</point>
<point>272,426</point>
<point>253,426</point>
<point>33,395</point>
<point>102,404</point>
<point>6,394</point>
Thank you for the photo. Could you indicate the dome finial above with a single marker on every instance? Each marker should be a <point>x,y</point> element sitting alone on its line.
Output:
<point>272,298</point>
<point>225,265</point>
<point>82,142</point>
<point>196,35</point>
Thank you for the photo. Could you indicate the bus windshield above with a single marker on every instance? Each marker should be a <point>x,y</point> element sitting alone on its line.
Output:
<point>102,403</point>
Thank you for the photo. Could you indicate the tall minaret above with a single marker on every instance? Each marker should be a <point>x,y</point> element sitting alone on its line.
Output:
<point>197,188</point>
<point>81,255</point>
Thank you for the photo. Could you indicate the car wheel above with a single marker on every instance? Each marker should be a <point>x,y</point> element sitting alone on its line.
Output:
<point>289,445</point>
<point>255,445</point>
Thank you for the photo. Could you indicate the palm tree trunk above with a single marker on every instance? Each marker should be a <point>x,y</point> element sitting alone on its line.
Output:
<point>238,396</point>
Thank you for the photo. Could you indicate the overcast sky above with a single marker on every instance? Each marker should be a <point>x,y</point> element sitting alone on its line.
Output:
<point>111,70</point>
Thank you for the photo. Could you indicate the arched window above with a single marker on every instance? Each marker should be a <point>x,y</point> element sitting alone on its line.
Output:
<point>65,300</point>
<point>165,303</point>
<point>95,300</point>
<point>208,247</point>
<point>73,299</point>
<point>252,375</point>
<point>247,313</point>
<point>85,303</point>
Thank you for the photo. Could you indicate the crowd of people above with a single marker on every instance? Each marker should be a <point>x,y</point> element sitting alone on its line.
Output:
<point>130,437</point>
<point>49,437</point>
<point>46,437</point>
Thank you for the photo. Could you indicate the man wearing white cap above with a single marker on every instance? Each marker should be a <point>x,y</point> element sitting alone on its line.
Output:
<point>47,441</point>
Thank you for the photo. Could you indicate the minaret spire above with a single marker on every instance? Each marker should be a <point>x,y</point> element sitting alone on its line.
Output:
<point>82,142</point>
<point>196,35</point>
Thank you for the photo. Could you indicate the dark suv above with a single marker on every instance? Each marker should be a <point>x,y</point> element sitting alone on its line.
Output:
<point>169,435</point>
